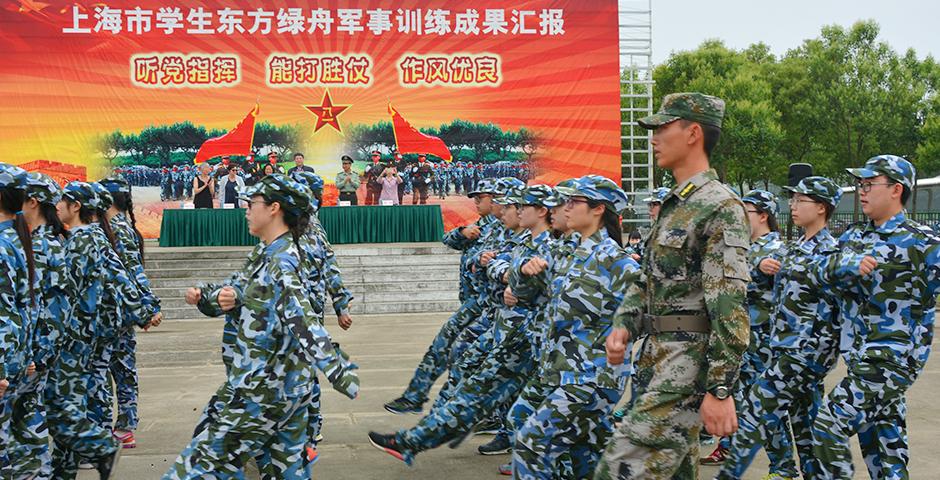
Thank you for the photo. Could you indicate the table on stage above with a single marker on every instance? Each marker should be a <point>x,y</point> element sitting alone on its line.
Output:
<point>366,224</point>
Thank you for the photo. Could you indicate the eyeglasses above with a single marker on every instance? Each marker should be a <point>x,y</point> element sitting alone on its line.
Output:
<point>801,200</point>
<point>755,212</point>
<point>866,186</point>
<point>252,202</point>
<point>572,201</point>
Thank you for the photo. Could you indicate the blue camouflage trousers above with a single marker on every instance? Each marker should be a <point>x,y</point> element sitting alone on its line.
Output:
<point>123,370</point>
<point>499,379</point>
<point>435,360</point>
<point>788,389</point>
<point>467,352</point>
<point>232,429</point>
<point>868,402</point>
<point>561,430</point>
<point>28,449</point>
<point>98,378</point>
<point>75,434</point>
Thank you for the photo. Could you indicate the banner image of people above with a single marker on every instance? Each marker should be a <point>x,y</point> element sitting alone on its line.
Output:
<point>433,95</point>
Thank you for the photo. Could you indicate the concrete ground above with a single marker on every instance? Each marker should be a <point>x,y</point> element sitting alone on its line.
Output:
<point>180,367</point>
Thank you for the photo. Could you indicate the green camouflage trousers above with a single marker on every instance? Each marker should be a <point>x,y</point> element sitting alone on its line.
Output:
<point>658,437</point>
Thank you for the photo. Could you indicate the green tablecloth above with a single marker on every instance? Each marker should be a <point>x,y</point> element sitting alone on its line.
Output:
<point>205,227</point>
<point>366,224</point>
<point>383,224</point>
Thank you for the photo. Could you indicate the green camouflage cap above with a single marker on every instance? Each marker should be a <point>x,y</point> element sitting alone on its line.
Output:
<point>693,106</point>
<point>763,200</point>
<point>116,184</point>
<point>891,166</point>
<point>604,190</point>
<point>541,195</point>
<point>105,200</point>
<point>293,196</point>
<point>82,193</point>
<point>43,188</point>
<point>820,187</point>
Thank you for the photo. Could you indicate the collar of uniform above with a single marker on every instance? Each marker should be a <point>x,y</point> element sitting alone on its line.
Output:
<point>587,246</point>
<point>80,227</point>
<point>277,244</point>
<point>809,244</point>
<point>767,238</point>
<point>891,225</point>
<point>542,237</point>
<point>684,191</point>
<point>6,224</point>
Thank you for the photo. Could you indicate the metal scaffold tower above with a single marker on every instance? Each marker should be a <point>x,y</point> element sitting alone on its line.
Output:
<point>636,101</point>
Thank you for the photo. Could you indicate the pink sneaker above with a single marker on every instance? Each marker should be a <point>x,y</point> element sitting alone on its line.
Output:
<point>126,438</point>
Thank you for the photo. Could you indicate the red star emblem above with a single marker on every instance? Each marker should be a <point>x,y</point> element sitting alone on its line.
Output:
<point>327,113</point>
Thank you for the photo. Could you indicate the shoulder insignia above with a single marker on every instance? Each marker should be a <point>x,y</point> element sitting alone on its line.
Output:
<point>687,191</point>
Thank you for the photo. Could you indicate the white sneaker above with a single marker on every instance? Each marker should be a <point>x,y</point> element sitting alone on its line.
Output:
<point>85,466</point>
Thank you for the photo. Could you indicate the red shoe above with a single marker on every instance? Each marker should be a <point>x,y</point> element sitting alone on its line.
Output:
<point>505,469</point>
<point>717,457</point>
<point>312,455</point>
<point>126,438</point>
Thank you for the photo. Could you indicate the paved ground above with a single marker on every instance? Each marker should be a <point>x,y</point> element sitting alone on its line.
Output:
<point>180,367</point>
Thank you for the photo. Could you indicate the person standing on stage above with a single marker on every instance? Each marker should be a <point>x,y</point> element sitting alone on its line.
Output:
<point>299,165</point>
<point>421,177</point>
<point>203,187</point>
<point>347,182</point>
<point>229,186</point>
<point>373,182</point>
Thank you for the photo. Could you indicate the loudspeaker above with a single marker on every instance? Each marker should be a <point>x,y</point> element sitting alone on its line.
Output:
<point>798,171</point>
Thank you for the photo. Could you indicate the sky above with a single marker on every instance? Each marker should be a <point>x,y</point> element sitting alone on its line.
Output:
<point>782,25</point>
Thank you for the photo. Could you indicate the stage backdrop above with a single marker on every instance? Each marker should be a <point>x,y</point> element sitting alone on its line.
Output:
<point>522,88</point>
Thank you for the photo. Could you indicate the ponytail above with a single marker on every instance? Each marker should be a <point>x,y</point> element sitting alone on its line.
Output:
<point>125,203</point>
<point>611,221</point>
<point>49,214</point>
<point>12,201</point>
<point>106,226</point>
<point>298,225</point>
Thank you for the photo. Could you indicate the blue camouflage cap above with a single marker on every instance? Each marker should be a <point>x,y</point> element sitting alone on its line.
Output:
<point>541,195</point>
<point>486,185</point>
<point>104,196</point>
<point>820,187</point>
<point>505,184</point>
<point>82,193</point>
<point>293,196</point>
<point>310,179</point>
<point>116,184</point>
<point>763,200</point>
<point>891,166</point>
<point>12,176</point>
<point>43,188</point>
<point>513,196</point>
<point>604,190</point>
<point>566,188</point>
<point>657,195</point>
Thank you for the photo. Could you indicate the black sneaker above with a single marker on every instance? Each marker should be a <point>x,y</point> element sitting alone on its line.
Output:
<point>107,465</point>
<point>387,444</point>
<point>487,427</point>
<point>499,446</point>
<point>402,405</point>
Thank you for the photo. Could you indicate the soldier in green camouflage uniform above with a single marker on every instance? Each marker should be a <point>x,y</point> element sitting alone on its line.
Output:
<point>689,305</point>
<point>888,276</point>
<point>272,344</point>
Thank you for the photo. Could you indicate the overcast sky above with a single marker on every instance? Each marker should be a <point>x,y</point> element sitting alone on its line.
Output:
<point>784,24</point>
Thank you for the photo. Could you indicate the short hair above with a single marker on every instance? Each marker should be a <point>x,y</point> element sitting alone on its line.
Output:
<point>298,154</point>
<point>830,208</point>
<point>710,133</point>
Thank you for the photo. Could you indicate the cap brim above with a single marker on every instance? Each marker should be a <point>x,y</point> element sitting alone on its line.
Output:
<point>657,120</point>
<point>863,172</point>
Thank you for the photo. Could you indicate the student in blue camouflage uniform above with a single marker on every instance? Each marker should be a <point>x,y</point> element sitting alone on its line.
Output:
<point>441,180</point>
<point>99,286</point>
<point>887,272</point>
<point>509,361</point>
<point>761,207</point>
<point>123,363</point>
<point>804,338</point>
<point>562,418</point>
<point>30,456</point>
<point>18,308</point>
<point>272,343</point>
<point>435,360</point>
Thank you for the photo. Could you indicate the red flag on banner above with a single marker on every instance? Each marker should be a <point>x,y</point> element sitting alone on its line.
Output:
<point>237,141</point>
<point>409,140</point>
